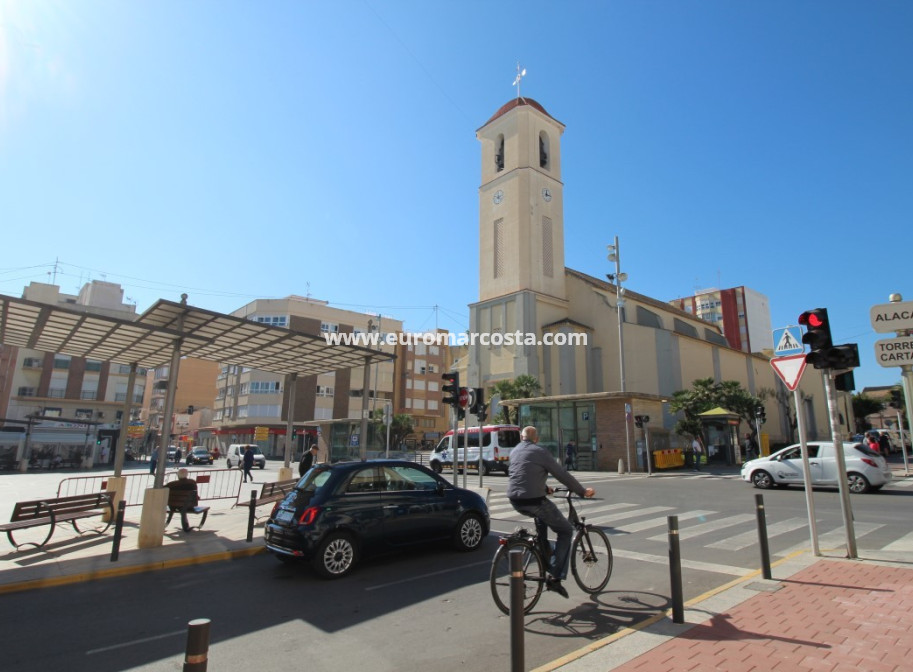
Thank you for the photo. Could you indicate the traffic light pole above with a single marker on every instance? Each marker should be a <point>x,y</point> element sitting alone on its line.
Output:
<point>836,432</point>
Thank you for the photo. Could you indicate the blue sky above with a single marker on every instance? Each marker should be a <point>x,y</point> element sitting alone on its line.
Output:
<point>235,150</point>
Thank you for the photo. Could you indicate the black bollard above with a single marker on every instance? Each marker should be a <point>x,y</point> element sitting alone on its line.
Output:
<point>252,515</point>
<point>118,530</point>
<point>196,654</point>
<point>675,571</point>
<point>517,589</point>
<point>762,536</point>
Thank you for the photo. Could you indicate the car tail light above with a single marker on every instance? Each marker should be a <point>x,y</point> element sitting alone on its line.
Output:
<point>870,462</point>
<point>308,515</point>
<point>272,514</point>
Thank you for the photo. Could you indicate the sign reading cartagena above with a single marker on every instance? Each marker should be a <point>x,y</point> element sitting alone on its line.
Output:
<point>894,351</point>
<point>888,317</point>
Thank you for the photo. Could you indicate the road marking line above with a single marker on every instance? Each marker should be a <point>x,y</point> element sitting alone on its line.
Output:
<point>712,526</point>
<point>689,564</point>
<point>124,645</point>
<point>746,539</point>
<point>657,522</point>
<point>425,576</point>
<point>905,543</point>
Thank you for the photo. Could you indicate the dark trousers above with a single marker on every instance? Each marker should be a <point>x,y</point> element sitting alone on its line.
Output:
<point>549,517</point>
<point>247,473</point>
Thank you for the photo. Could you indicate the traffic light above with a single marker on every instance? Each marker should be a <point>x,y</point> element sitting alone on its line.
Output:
<point>641,420</point>
<point>760,413</point>
<point>479,408</point>
<point>843,356</point>
<point>817,336</point>
<point>896,400</point>
<point>97,440</point>
<point>452,389</point>
<point>845,382</point>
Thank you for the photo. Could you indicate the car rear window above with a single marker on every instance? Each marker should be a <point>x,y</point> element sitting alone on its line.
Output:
<point>865,450</point>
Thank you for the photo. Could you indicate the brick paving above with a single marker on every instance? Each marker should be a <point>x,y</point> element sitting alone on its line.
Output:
<point>835,615</point>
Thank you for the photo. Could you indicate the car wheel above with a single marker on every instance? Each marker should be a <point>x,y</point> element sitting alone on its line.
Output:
<point>263,466</point>
<point>761,479</point>
<point>469,533</point>
<point>436,467</point>
<point>485,468</point>
<point>335,556</point>
<point>858,483</point>
<point>228,463</point>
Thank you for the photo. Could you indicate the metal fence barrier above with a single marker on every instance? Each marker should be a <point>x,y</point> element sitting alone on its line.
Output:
<point>211,484</point>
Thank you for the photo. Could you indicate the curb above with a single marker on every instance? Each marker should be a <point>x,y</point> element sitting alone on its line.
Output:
<point>124,571</point>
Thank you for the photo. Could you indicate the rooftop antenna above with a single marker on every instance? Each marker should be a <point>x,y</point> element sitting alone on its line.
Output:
<point>520,75</point>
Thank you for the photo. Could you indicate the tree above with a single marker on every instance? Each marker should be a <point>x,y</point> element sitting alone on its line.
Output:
<point>863,406</point>
<point>521,387</point>
<point>401,426</point>
<point>706,394</point>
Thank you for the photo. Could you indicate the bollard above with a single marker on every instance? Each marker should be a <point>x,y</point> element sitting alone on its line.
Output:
<point>762,536</point>
<point>621,466</point>
<point>517,590</point>
<point>197,651</point>
<point>118,529</point>
<point>252,515</point>
<point>675,572</point>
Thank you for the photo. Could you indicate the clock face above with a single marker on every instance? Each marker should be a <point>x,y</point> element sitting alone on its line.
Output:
<point>498,197</point>
<point>547,194</point>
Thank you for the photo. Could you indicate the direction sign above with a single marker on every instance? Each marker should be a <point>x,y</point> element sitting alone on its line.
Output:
<point>888,317</point>
<point>788,341</point>
<point>894,351</point>
<point>789,369</point>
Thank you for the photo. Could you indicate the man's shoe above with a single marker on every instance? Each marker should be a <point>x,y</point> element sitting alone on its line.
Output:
<point>555,586</point>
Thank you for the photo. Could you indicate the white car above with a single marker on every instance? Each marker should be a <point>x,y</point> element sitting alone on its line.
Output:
<point>865,470</point>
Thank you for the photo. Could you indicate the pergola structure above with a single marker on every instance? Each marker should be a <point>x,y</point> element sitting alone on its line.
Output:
<point>168,331</point>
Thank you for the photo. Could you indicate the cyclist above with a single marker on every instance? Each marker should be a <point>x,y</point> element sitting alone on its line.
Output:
<point>530,466</point>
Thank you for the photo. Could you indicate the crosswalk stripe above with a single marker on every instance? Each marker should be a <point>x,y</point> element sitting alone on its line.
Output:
<point>746,539</point>
<point>901,483</point>
<point>905,543</point>
<point>686,564</point>
<point>832,539</point>
<point>601,520</point>
<point>689,532</point>
<point>658,522</point>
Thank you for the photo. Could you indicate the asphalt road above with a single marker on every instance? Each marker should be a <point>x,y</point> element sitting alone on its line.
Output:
<point>429,609</point>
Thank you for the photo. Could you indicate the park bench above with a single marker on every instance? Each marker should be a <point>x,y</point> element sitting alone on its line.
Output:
<point>53,510</point>
<point>276,491</point>
<point>185,502</point>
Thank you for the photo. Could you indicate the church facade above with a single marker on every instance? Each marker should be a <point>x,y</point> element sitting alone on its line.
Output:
<point>525,289</point>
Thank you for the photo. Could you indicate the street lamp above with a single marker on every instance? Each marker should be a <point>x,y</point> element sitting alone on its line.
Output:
<point>618,277</point>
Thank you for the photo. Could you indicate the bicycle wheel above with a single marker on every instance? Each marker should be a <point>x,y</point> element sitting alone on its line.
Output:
<point>591,559</point>
<point>533,572</point>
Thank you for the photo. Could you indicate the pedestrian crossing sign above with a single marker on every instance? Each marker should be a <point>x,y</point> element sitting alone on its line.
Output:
<point>788,341</point>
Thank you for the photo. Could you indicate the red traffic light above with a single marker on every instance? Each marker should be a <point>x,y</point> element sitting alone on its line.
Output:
<point>815,319</point>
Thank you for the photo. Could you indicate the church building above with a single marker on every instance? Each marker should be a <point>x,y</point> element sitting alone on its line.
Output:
<point>589,395</point>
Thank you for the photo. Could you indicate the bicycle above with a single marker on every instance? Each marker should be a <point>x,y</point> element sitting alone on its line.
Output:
<point>591,560</point>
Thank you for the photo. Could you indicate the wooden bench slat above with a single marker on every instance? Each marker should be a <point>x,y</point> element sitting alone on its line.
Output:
<point>52,510</point>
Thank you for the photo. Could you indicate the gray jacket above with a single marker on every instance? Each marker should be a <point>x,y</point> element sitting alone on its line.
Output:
<point>530,466</point>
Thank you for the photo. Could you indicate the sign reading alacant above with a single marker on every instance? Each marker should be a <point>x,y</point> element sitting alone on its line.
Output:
<point>888,317</point>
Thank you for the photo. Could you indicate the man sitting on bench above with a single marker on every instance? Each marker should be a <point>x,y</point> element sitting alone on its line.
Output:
<point>188,501</point>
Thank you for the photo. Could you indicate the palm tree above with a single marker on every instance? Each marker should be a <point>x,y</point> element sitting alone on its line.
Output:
<point>521,387</point>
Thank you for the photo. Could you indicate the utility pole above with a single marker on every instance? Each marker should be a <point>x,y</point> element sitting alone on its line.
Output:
<point>618,277</point>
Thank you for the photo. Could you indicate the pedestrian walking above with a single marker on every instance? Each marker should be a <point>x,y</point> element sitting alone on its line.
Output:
<point>570,456</point>
<point>153,459</point>
<point>248,464</point>
<point>697,449</point>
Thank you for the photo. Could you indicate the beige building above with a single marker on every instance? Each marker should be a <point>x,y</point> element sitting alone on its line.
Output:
<point>36,383</point>
<point>194,398</point>
<point>418,368</point>
<point>742,314</point>
<point>248,398</point>
<point>526,292</point>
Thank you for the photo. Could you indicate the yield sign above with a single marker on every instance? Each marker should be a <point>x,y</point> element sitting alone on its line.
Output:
<point>789,369</point>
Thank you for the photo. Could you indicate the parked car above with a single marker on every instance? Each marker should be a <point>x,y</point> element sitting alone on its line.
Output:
<point>172,451</point>
<point>866,470</point>
<point>199,455</point>
<point>235,455</point>
<point>339,513</point>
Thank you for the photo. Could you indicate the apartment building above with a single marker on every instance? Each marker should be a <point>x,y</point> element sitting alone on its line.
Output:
<point>248,398</point>
<point>742,314</point>
<point>194,399</point>
<point>417,371</point>
<point>64,390</point>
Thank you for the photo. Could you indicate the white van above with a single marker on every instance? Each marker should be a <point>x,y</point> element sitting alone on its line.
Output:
<point>497,442</point>
<point>235,455</point>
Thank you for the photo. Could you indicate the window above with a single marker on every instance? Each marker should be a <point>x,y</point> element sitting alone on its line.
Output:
<point>61,362</point>
<point>52,412</point>
<point>543,150</point>
<point>499,248</point>
<point>31,363</point>
<point>264,387</point>
<point>420,366</point>
<point>83,413</point>
<point>433,386</point>
<point>499,154</point>
<point>419,405</point>
<point>432,404</point>
<point>93,365</point>
<point>272,320</point>
<point>324,391</point>
<point>364,481</point>
<point>419,384</point>
<point>27,392</point>
<point>408,478</point>
<point>57,393</point>
<point>547,253</point>
<point>329,328</point>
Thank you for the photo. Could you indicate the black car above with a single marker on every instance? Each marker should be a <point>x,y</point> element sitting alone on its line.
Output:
<point>338,513</point>
<point>198,455</point>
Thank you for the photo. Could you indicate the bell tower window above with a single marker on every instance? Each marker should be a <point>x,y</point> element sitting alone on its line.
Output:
<point>543,150</point>
<point>499,153</point>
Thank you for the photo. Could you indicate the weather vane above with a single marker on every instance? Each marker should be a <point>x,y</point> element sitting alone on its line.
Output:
<point>520,75</point>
